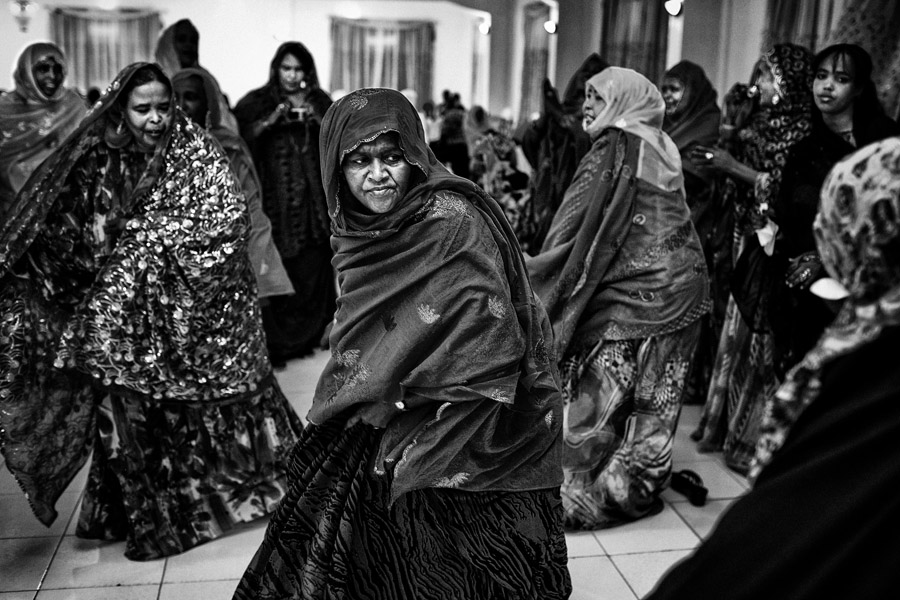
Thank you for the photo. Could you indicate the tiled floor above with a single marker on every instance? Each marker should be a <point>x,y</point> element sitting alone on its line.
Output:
<point>37,563</point>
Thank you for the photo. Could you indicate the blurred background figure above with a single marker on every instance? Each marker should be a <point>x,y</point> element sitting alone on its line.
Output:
<point>193,90</point>
<point>554,144</point>
<point>35,117</point>
<point>692,118</point>
<point>280,122</point>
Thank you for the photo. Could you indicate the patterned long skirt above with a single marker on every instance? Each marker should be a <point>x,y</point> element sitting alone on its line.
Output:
<point>167,477</point>
<point>622,403</point>
<point>337,536</point>
<point>743,380</point>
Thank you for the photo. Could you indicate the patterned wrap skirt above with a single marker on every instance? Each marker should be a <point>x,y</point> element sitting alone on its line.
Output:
<point>336,535</point>
<point>166,477</point>
<point>622,403</point>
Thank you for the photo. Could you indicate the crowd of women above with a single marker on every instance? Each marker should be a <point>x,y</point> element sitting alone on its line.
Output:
<point>509,355</point>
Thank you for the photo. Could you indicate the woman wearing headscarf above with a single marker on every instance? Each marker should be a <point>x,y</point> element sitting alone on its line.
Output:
<point>555,145</point>
<point>846,114</point>
<point>623,278</point>
<point>178,48</point>
<point>280,123</point>
<point>35,117</point>
<point>744,374</point>
<point>822,517</point>
<point>692,118</point>
<point>430,465</point>
<point>130,328</point>
<point>193,90</point>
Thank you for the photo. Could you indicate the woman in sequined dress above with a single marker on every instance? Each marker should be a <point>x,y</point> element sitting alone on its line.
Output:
<point>130,328</point>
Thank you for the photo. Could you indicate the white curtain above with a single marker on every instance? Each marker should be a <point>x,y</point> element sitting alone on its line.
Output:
<point>100,43</point>
<point>391,54</point>
<point>537,58</point>
<point>803,22</point>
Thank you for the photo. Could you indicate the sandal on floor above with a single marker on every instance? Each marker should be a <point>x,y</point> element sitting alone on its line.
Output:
<point>689,484</point>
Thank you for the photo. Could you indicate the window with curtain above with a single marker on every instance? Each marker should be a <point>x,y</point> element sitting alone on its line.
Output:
<point>100,43</point>
<point>803,22</point>
<point>537,57</point>
<point>635,35</point>
<point>391,54</point>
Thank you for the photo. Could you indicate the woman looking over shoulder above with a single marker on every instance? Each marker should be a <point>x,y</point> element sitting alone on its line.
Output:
<point>280,123</point>
<point>430,467</point>
<point>623,278</point>
<point>130,328</point>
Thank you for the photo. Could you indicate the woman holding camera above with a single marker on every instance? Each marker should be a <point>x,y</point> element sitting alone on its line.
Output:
<point>280,123</point>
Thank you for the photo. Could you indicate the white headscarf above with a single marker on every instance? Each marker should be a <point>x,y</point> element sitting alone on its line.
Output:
<point>634,104</point>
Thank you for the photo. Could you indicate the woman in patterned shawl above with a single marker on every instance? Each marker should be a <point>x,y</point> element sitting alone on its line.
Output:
<point>36,117</point>
<point>822,518</point>
<point>430,467</point>
<point>130,327</point>
<point>196,92</point>
<point>744,373</point>
<point>280,123</point>
<point>624,281</point>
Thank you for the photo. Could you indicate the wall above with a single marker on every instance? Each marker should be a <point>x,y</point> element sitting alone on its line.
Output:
<point>239,37</point>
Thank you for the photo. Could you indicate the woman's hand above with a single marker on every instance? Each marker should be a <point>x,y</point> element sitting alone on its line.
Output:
<point>713,158</point>
<point>803,270</point>
<point>279,113</point>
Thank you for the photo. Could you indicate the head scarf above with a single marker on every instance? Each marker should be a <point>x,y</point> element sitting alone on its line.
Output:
<point>635,105</point>
<point>435,311</point>
<point>573,96</point>
<point>858,236</point>
<point>697,118</point>
<point>166,55</point>
<point>32,124</point>
<point>104,123</point>
<point>215,121</point>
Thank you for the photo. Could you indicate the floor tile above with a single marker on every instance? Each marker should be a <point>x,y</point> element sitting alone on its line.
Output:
<point>90,563</point>
<point>16,595</point>
<point>207,590</point>
<point>665,531</point>
<point>595,578</point>
<point>8,483</point>
<point>702,519</point>
<point>721,482</point>
<point>224,558</point>
<point>642,571</point>
<point>23,562</point>
<point>119,592</point>
<point>18,521</point>
<point>583,543</point>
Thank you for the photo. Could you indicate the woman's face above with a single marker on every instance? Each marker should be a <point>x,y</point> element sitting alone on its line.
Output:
<point>191,97</point>
<point>593,104</point>
<point>834,85</point>
<point>48,75</point>
<point>765,84</point>
<point>186,40</point>
<point>672,92</point>
<point>148,113</point>
<point>377,173</point>
<point>291,76</point>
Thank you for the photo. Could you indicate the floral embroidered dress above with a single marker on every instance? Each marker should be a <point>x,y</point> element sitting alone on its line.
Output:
<point>624,281</point>
<point>130,327</point>
<point>439,337</point>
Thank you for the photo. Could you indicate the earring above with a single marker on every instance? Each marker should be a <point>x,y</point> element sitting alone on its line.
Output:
<point>120,128</point>
<point>776,99</point>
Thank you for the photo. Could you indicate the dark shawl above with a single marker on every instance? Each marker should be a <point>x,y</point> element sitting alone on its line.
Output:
<point>435,312</point>
<point>31,124</point>
<point>286,156</point>
<point>554,146</point>
<point>121,274</point>
<point>271,277</point>
<point>697,120</point>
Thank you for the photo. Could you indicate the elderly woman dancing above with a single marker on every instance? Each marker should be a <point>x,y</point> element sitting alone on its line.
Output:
<point>430,467</point>
<point>624,281</point>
